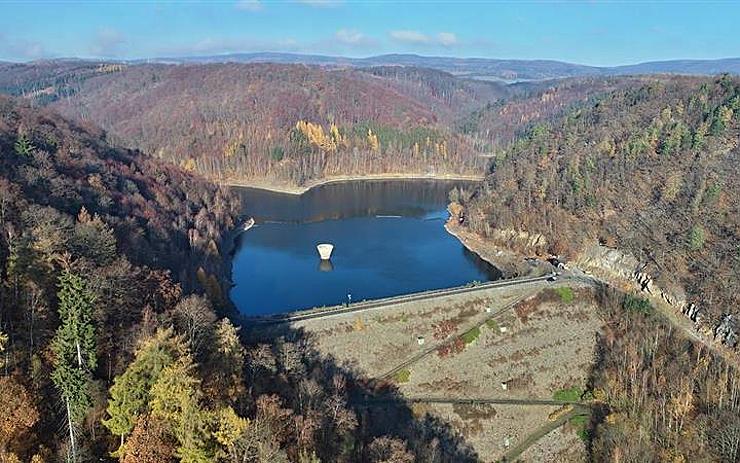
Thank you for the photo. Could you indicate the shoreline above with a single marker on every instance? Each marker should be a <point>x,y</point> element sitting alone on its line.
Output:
<point>509,263</point>
<point>286,188</point>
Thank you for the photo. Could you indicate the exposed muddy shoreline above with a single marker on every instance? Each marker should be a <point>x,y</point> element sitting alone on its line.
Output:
<point>287,188</point>
<point>511,264</point>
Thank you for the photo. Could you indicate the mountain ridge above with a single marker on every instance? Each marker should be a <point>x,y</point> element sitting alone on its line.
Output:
<point>480,68</point>
<point>494,69</point>
<point>508,70</point>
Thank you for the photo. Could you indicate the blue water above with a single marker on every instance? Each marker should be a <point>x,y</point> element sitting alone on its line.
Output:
<point>276,267</point>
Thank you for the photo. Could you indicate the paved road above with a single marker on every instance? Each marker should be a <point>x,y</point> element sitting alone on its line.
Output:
<point>383,303</point>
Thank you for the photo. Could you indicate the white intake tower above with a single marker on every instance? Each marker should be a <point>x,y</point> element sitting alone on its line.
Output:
<point>325,250</point>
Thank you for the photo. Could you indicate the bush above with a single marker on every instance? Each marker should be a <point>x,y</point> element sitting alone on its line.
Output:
<point>471,335</point>
<point>571,394</point>
<point>566,294</point>
<point>579,423</point>
<point>696,238</point>
<point>451,349</point>
<point>637,305</point>
<point>402,376</point>
<point>277,153</point>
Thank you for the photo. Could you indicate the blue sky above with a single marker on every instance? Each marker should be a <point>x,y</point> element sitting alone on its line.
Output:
<point>588,32</point>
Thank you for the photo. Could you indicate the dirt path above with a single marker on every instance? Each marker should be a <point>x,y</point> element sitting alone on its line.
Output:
<point>473,401</point>
<point>516,451</point>
<point>477,324</point>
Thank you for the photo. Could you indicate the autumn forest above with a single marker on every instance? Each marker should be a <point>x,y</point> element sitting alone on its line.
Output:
<point>118,338</point>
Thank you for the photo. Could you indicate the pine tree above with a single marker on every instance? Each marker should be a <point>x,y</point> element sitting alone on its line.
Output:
<point>94,239</point>
<point>74,350</point>
<point>130,392</point>
<point>372,140</point>
<point>23,146</point>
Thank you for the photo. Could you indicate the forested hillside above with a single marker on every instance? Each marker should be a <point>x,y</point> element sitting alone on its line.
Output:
<point>649,169</point>
<point>662,396</point>
<point>292,123</point>
<point>494,126</point>
<point>295,123</point>
<point>447,96</point>
<point>112,277</point>
<point>96,243</point>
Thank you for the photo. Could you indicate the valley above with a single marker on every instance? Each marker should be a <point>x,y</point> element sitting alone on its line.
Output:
<point>538,270</point>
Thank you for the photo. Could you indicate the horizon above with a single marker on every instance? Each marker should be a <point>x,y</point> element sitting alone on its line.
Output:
<point>588,33</point>
<point>365,57</point>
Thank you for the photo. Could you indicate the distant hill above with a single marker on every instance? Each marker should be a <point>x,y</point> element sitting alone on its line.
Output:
<point>690,67</point>
<point>507,70</point>
<point>479,68</point>
<point>239,121</point>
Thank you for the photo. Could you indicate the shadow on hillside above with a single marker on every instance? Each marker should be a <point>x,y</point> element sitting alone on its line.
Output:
<point>429,438</point>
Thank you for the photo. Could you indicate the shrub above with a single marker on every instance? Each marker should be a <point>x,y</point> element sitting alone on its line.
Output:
<point>696,238</point>
<point>471,335</point>
<point>566,294</point>
<point>571,394</point>
<point>578,423</point>
<point>402,376</point>
<point>277,153</point>
<point>451,349</point>
<point>637,305</point>
<point>443,329</point>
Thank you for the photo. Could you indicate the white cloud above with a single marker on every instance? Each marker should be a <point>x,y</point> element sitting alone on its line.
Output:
<point>107,42</point>
<point>447,39</point>
<point>350,37</point>
<point>249,5</point>
<point>21,49</point>
<point>412,37</point>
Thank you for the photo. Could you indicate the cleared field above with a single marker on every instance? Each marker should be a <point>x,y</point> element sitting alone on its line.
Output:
<point>374,342</point>
<point>560,445</point>
<point>490,429</point>
<point>533,342</point>
<point>546,345</point>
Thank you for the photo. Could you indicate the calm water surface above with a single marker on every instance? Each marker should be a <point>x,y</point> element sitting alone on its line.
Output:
<point>388,237</point>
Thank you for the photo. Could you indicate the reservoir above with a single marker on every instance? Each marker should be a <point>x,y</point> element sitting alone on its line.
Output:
<point>388,236</point>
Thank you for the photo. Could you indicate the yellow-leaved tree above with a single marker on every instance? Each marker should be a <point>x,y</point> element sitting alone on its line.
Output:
<point>372,140</point>
<point>316,136</point>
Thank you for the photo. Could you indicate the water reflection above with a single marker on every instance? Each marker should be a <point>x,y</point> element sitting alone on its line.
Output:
<point>386,199</point>
<point>491,272</point>
<point>389,239</point>
<point>325,265</point>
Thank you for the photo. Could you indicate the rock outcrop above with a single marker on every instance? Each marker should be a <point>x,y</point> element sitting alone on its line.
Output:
<point>727,331</point>
<point>610,264</point>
